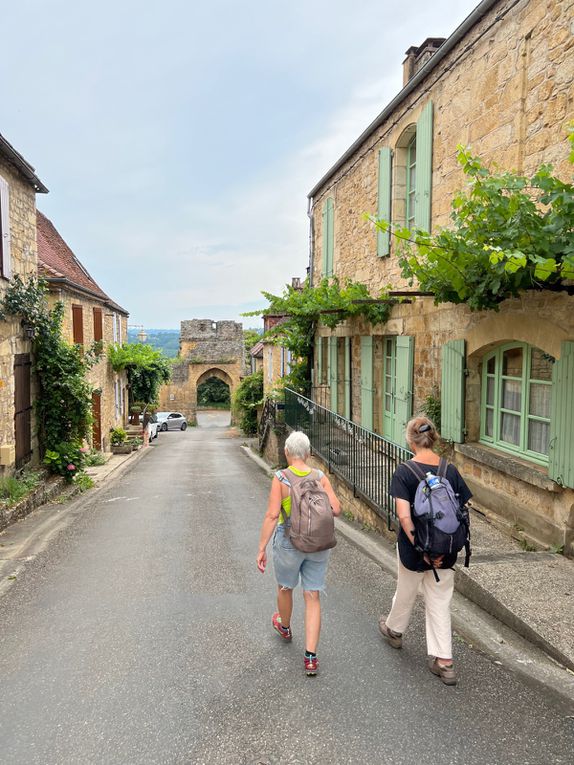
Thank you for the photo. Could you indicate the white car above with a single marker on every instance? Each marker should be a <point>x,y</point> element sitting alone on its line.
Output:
<point>171,421</point>
<point>152,426</point>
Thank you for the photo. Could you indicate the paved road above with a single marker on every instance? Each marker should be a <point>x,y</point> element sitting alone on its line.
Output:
<point>141,634</point>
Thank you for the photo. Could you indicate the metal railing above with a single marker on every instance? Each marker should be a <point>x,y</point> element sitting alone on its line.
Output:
<point>361,458</point>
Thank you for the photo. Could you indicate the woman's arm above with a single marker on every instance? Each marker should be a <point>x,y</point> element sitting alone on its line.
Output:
<point>269,522</point>
<point>403,508</point>
<point>335,504</point>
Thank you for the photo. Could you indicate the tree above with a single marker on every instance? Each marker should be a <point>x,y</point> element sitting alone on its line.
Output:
<point>147,369</point>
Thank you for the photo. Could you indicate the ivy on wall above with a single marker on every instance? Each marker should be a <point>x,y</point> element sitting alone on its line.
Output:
<point>146,367</point>
<point>509,233</point>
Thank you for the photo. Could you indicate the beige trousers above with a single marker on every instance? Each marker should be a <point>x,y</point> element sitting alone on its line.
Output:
<point>437,597</point>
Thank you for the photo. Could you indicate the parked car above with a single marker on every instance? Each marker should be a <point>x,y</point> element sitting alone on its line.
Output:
<point>171,421</point>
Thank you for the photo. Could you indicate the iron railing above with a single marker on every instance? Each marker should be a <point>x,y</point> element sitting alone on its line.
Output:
<point>361,458</point>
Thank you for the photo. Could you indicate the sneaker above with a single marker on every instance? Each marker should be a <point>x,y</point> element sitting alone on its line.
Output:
<point>311,666</point>
<point>394,639</point>
<point>444,671</point>
<point>285,632</point>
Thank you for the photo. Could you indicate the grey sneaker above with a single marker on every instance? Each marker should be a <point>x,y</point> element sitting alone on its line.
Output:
<point>444,671</point>
<point>394,639</point>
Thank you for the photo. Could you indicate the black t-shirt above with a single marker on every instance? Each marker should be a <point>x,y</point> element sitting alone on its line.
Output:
<point>404,486</point>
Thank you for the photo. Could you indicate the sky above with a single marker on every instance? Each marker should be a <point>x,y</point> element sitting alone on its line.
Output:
<point>179,140</point>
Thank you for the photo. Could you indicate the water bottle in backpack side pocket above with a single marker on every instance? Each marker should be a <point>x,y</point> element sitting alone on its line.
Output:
<point>432,480</point>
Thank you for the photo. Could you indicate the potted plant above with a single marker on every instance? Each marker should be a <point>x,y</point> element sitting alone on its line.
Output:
<point>118,438</point>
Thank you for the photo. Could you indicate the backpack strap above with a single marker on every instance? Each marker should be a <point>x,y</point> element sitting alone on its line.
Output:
<point>442,468</point>
<point>416,469</point>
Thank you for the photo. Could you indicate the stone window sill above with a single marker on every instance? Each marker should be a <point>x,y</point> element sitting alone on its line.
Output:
<point>525,471</point>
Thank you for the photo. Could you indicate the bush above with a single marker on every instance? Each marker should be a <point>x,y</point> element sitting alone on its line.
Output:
<point>249,396</point>
<point>65,459</point>
<point>118,436</point>
<point>94,458</point>
<point>15,488</point>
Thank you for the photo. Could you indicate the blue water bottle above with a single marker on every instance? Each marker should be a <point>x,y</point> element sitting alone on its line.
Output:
<point>432,480</point>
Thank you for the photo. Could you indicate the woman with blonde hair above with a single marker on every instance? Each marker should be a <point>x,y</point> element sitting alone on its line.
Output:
<point>416,570</point>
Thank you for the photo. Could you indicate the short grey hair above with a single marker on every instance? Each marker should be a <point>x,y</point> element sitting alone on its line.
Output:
<point>298,445</point>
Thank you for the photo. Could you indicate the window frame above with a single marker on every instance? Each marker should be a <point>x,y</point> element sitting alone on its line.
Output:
<point>411,188</point>
<point>526,417</point>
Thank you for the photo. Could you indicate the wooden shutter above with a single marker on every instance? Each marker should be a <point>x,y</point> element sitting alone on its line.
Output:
<point>5,257</point>
<point>78,324</point>
<point>98,325</point>
<point>348,378</point>
<point>404,386</point>
<point>333,372</point>
<point>423,181</point>
<point>384,207</point>
<point>561,452</point>
<point>319,354</point>
<point>328,236</point>
<point>452,391</point>
<point>367,382</point>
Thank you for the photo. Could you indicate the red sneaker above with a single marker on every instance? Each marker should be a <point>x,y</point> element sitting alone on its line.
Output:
<point>311,665</point>
<point>285,632</point>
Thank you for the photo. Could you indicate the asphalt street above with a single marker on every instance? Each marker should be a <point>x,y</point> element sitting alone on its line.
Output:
<point>141,633</point>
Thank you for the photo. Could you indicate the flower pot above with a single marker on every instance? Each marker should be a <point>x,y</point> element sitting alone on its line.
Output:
<point>121,448</point>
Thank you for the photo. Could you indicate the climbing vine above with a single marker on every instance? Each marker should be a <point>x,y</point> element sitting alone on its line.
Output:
<point>328,303</point>
<point>146,367</point>
<point>63,401</point>
<point>508,233</point>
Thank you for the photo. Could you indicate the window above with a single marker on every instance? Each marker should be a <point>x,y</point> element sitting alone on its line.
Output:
<point>115,326</point>
<point>411,182</point>
<point>516,399</point>
<point>78,324</point>
<point>5,258</point>
<point>328,235</point>
<point>98,325</point>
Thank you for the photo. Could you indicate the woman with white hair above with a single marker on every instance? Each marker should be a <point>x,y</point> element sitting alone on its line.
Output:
<point>290,564</point>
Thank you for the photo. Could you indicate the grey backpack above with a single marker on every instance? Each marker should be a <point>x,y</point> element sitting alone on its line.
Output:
<point>442,526</point>
<point>312,524</point>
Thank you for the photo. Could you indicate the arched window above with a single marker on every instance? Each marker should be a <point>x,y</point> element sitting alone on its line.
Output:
<point>516,398</point>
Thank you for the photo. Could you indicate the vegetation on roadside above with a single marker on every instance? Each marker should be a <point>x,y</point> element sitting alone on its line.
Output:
<point>248,397</point>
<point>146,368</point>
<point>15,488</point>
<point>213,393</point>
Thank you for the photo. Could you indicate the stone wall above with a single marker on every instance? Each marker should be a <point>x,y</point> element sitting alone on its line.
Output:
<point>22,214</point>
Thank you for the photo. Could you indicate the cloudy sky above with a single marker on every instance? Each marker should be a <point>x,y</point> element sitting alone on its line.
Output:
<point>179,139</point>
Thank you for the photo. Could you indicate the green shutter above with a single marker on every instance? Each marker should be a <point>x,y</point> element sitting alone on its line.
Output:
<point>452,391</point>
<point>384,209</point>
<point>424,169</point>
<point>328,236</point>
<point>367,382</point>
<point>348,378</point>
<point>561,453</point>
<point>319,354</point>
<point>404,386</point>
<point>333,372</point>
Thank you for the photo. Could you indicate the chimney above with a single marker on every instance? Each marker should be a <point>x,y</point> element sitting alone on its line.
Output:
<point>296,283</point>
<point>416,58</point>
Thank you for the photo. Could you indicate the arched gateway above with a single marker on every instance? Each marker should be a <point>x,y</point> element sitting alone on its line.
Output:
<point>207,349</point>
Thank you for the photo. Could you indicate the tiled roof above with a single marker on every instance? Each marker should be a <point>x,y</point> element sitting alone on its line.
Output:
<point>56,262</point>
<point>13,156</point>
<point>257,349</point>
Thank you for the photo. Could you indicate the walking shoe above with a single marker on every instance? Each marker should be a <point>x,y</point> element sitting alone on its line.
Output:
<point>394,639</point>
<point>311,665</point>
<point>285,632</point>
<point>444,671</point>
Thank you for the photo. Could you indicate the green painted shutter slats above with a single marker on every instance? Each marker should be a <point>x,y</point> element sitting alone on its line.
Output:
<point>384,208</point>
<point>561,453</point>
<point>452,391</point>
<point>424,169</point>
<point>319,355</point>
<point>404,386</point>
<point>328,236</point>
<point>348,378</point>
<point>333,372</point>
<point>367,382</point>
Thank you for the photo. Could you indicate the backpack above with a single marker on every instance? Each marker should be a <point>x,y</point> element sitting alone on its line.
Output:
<point>442,526</point>
<point>312,523</point>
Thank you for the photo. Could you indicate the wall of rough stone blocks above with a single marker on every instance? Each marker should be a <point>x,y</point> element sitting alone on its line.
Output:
<point>22,214</point>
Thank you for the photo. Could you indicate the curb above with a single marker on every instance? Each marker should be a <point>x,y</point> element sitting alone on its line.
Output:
<point>476,616</point>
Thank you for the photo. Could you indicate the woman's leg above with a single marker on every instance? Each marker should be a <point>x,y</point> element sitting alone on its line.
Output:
<point>438,597</point>
<point>408,583</point>
<point>285,605</point>
<point>312,619</point>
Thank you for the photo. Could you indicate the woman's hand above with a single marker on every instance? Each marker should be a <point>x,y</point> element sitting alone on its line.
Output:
<point>262,560</point>
<point>436,562</point>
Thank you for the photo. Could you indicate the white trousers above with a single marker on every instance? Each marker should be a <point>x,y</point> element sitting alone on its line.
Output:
<point>437,597</point>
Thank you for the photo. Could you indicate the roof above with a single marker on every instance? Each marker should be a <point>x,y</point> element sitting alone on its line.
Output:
<point>257,349</point>
<point>470,21</point>
<point>58,264</point>
<point>10,153</point>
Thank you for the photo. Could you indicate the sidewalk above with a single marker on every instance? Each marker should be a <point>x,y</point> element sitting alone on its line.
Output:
<point>116,464</point>
<point>530,594</point>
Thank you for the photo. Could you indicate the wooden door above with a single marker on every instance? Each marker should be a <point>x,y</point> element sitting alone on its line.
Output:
<point>97,423</point>
<point>22,408</point>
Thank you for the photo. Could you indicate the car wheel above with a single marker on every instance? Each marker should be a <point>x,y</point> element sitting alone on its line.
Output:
<point>183,425</point>
<point>164,426</point>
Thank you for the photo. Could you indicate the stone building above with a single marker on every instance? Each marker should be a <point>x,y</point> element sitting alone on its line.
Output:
<point>207,349</point>
<point>18,188</point>
<point>89,316</point>
<point>503,84</point>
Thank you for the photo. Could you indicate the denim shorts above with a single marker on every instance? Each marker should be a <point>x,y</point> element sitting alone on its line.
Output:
<point>291,564</point>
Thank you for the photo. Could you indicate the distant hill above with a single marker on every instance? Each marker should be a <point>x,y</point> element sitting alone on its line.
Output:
<point>166,340</point>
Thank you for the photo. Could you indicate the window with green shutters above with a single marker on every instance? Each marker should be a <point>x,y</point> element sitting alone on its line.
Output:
<point>516,400</point>
<point>422,162</point>
<point>333,372</point>
<point>328,234</point>
<point>347,411</point>
<point>367,382</point>
<point>452,391</point>
<point>411,182</point>
<point>561,445</point>
<point>384,202</point>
